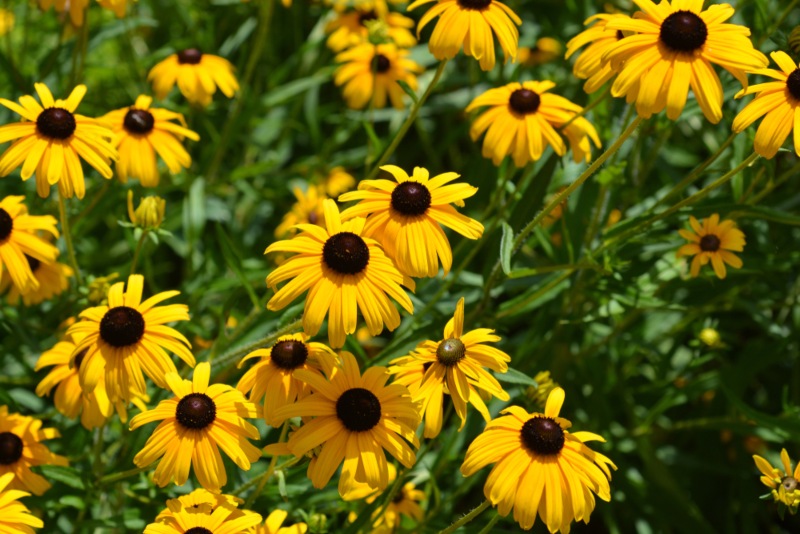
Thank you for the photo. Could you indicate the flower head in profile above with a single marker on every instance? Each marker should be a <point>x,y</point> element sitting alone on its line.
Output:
<point>784,484</point>
<point>544,51</point>
<point>712,241</point>
<point>778,102</point>
<point>540,467</point>
<point>471,24</point>
<point>673,49</point>
<point>455,365</point>
<point>307,210</point>
<point>21,448</point>
<point>272,379</point>
<point>141,132</point>
<point>273,524</point>
<point>203,513</point>
<point>15,518</point>
<point>351,28</point>
<point>406,216</point>
<point>128,336</point>
<point>149,214</point>
<point>355,418</point>
<point>19,241</point>
<point>197,74</point>
<point>590,65</point>
<point>52,279</point>
<point>52,139</point>
<point>370,73</point>
<point>343,272</point>
<point>523,118</point>
<point>76,9</point>
<point>195,424</point>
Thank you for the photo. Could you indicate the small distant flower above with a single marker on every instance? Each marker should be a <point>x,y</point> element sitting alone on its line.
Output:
<point>273,525</point>
<point>784,484</point>
<point>117,6</point>
<point>712,241</point>
<point>355,417</point>
<point>343,272</point>
<point>369,74</point>
<point>141,132</point>
<point>18,241</point>
<point>471,23</point>
<point>307,210</point>
<point>129,336</point>
<point>711,338</point>
<point>590,65</point>
<point>201,501</point>
<point>674,46</point>
<point>350,28</point>
<point>272,379</point>
<point>6,21</point>
<point>76,8</point>
<point>181,517</point>
<point>21,448</point>
<point>540,467</point>
<point>521,120</point>
<point>149,214</point>
<point>406,216</point>
<point>51,141</point>
<point>338,181</point>
<point>197,422</point>
<point>198,76</point>
<point>545,50</point>
<point>778,102</point>
<point>15,518</point>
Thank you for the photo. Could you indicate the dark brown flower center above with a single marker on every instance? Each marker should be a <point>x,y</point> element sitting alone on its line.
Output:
<point>10,448</point>
<point>524,101</point>
<point>478,5</point>
<point>6,225</point>
<point>709,243</point>
<point>122,326</point>
<point>451,351</point>
<point>683,31</point>
<point>33,263</point>
<point>380,63</point>
<point>198,530</point>
<point>793,84</point>
<point>138,121</point>
<point>196,411</point>
<point>620,35</point>
<point>358,409</point>
<point>542,435</point>
<point>411,198</point>
<point>367,16</point>
<point>56,123</point>
<point>289,354</point>
<point>399,496</point>
<point>79,359</point>
<point>346,253</point>
<point>313,218</point>
<point>190,56</point>
<point>789,483</point>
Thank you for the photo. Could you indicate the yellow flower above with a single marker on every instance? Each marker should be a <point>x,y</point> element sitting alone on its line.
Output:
<point>674,46</point>
<point>712,241</point>
<point>778,102</point>
<point>545,50</point>
<point>197,422</point>
<point>522,120</point>
<point>355,417</point>
<point>52,279</point>
<point>21,449</point>
<point>98,288</point>
<point>196,513</point>
<point>198,76</point>
<point>272,525</point>
<point>343,272</point>
<point>19,241</point>
<point>117,6</point>
<point>590,65</point>
<point>338,181</point>
<point>545,385</point>
<point>77,8</point>
<point>52,139</point>
<point>369,74</point>
<point>783,484</point>
<point>200,501</point>
<point>350,28</point>
<point>406,216</point>
<point>471,23</point>
<point>405,502</point>
<point>141,132</point>
<point>710,336</point>
<point>6,21</point>
<point>15,518</point>
<point>540,467</point>
<point>307,210</point>
<point>150,212</point>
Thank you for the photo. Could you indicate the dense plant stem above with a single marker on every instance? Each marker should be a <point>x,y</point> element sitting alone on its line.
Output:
<point>467,518</point>
<point>138,251</point>
<point>65,230</point>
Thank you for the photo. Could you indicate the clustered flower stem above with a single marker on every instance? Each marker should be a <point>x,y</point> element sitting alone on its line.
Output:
<point>65,230</point>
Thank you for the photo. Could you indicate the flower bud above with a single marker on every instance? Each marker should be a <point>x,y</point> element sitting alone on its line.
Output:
<point>150,213</point>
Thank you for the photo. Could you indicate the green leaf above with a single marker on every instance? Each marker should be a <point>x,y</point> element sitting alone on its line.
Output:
<point>409,91</point>
<point>65,475</point>
<point>512,376</point>
<point>506,247</point>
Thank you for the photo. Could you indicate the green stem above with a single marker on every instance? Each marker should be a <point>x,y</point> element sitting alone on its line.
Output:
<point>467,518</point>
<point>138,250</point>
<point>593,104</point>
<point>62,210</point>
<point>270,470</point>
<point>412,116</point>
<point>79,52</point>
<point>116,477</point>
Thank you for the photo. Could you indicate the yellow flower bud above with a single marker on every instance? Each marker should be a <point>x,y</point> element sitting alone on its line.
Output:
<point>150,213</point>
<point>710,337</point>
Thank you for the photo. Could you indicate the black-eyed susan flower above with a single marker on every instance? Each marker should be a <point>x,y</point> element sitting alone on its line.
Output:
<point>350,28</point>
<point>674,46</point>
<point>129,336</point>
<point>15,518</point>
<point>51,141</point>
<point>343,272</point>
<point>272,380</point>
<point>406,501</point>
<point>338,181</point>
<point>521,120</point>
<point>273,524</point>
<point>370,73</point>
<point>19,241</point>
<point>712,241</point>
<point>784,484</point>
<point>197,422</point>
<point>545,50</point>
<point>590,65</point>
<point>197,74</point>
<point>52,279</point>
<point>473,25</point>
<point>225,518</point>
<point>6,21</point>
<point>307,210</point>
<point>21,448</point>
<point>778,102</point>
<point>355,418</point>
<point>455,365</point>
<point>406,216</point>
<point>76,9</point>
<point>149,214</point>
<point>540,466</point>
<point>201,501</point>
<point>141,132</point>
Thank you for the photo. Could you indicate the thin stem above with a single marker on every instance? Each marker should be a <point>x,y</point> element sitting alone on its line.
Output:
<point>116,477</point>
<point>270,470</point>
<point>593,104</point>
<point>412,116</point>
<point>79,52</point>
<point>138,250</point>
<point>467,518</point>
<point>62,210</point>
